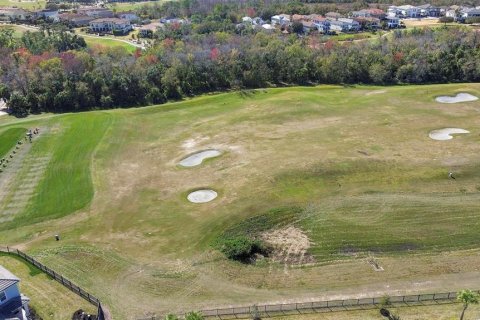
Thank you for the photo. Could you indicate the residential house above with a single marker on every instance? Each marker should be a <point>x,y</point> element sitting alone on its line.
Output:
<point>322,23</point>
<point>148,30</point>
<point>369,13</point>
<point>393,22</point>
<point>257,21</point>
<point>14,14</point>
<point>300,17</point>
<point>96,12</point>
<point>50,15</point>
<point>466,13</point>
<point>281,19</point>
<point>368,23</point>
<point>427,10</point>
<point>268,27</point>
<point>352,25</point>
<point>130,16</point>
<point>77,20</point>
<point>394,11</point>
<point>344,25</point>
<point>173,20</point>
<point>13,305</point>
<point>452,14</point>
<point>409,11</point>
<point>309,26</point>
<point>333,15</point>
<point>110,25</point>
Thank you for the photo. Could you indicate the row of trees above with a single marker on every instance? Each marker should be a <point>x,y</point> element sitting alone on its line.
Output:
<point>60,80</point>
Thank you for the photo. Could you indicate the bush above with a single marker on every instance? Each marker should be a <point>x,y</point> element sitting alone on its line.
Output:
<point>241,248</point>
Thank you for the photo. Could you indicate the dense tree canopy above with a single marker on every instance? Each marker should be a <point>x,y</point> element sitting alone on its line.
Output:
<point>43,72</point>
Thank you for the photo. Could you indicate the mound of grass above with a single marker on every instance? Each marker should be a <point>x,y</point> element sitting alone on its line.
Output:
<point>241,242</point>
<point>9,138</point>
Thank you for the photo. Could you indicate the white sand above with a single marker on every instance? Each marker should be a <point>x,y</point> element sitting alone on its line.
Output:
<point>460,97</point>
<point>197,158</point>
<point>446,133</point>
<point>202,196</point>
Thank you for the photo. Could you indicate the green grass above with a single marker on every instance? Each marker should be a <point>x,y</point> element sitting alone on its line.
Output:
<point>68,174</point>
<point>44,292</point>
<point>131,6</point>
<point>109,43</point>
<point>38,4</point>
<point>9,138</point>
<point>352,167</point>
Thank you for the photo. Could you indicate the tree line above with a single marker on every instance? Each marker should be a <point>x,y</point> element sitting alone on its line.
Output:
<point>65,79</point>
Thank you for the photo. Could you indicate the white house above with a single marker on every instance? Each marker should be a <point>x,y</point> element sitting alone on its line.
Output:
<point>110,25</point>
<point>352,25</point>
<point>451,14</point>
<point>13,305</point>
<point>466,13</point>
<point>281,19</point>
<point>393,22</point>
<point>409,11</point>
<point>322,23</point>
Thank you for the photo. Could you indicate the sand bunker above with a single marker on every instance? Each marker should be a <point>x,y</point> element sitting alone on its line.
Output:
<point>460,97</point>
<point>202,196</point>
<point>445,134</point>
<point>197,158</point>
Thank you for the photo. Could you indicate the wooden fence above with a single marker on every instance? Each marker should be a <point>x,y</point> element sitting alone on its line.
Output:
<point>102,314</point>
<point>272,310</point>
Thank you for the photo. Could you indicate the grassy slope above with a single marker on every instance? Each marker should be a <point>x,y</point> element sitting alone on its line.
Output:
<point>9,138</point>
<point>297,147</point>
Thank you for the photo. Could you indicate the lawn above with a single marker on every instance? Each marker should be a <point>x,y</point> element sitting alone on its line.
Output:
<point>131,6</point>
<point>44,292</point>
<point>352,168</point>
<point>100,43</point>
<point>9,138</point>
<point>31,5</point>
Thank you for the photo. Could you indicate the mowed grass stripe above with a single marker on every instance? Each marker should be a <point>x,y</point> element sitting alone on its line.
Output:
<point>9,138</point>
<point>67,185</point>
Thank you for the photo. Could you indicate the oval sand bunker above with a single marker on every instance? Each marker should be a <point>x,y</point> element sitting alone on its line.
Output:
<point>445,134</point>
<point>197,158</point>
<point>202,196</point>
<point>460,97</point>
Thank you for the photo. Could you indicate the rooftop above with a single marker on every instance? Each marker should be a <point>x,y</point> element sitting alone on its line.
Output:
<point>7,279</point>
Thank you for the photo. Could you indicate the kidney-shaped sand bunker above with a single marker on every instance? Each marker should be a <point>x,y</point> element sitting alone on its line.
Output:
<point>197,158</point>
<point>460,97</point>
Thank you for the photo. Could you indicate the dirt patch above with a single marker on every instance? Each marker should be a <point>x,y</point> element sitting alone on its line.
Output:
<point>289,245</point>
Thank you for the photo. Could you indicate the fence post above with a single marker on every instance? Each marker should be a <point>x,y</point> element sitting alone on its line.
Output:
<point>8,249</point>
